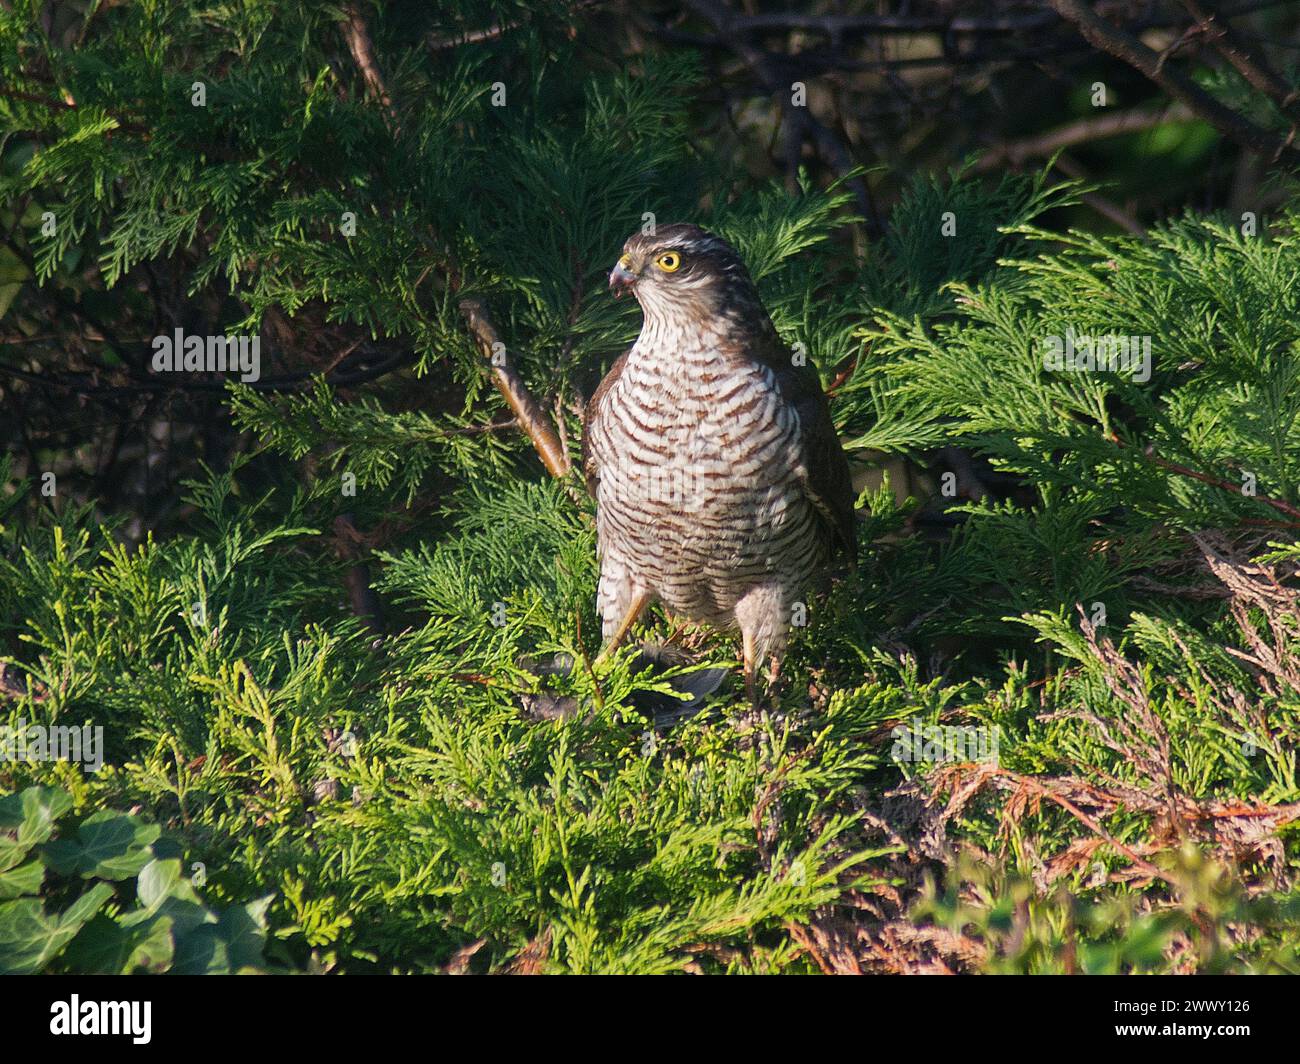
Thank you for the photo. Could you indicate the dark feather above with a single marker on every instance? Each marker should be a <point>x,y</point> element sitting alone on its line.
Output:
<point>827,482</point>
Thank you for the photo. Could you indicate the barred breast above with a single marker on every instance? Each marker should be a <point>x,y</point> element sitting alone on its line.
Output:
<point>700,499</point>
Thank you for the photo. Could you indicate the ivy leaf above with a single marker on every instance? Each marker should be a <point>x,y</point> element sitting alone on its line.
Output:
<point>25,879</point>
<point>30,937</point>
<point>162,889</point>
<point>29,816</point>
<point>109,947</point>
<point>235,941</point>
<point>109,845</point>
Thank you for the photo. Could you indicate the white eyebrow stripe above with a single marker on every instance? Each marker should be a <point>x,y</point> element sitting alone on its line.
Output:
<point>695,244</point>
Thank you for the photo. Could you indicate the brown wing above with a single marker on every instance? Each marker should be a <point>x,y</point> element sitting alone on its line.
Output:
<point>590,468</point>
<point>828,485</point>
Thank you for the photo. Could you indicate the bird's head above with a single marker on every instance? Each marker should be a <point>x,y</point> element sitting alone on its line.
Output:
<point>682,269</point>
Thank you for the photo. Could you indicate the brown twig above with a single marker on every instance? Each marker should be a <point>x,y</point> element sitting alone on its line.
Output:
<point>1029,785</point>
<point>1085,130</point>
<point>71,105</point>
<point>1118,42</point>
<point>802,125</point>
<point>357,35</point>
<point>1249,64</point>
<point>1104,206</point>
<point>441,42</point>
<point>11,688</point>
<point>1226,485</point>
<point>526,408</point>
<point>348,543</point>
<point>532,419</point>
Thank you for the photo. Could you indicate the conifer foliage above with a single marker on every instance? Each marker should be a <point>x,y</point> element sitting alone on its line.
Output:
<point>309,611</point>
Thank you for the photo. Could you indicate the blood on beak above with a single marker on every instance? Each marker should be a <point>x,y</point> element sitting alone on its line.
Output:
<point>621,280</point>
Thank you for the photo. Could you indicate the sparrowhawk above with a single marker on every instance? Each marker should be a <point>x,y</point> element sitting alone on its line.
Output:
<point>721,488</point>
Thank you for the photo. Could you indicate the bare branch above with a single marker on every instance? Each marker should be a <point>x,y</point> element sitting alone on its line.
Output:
<point>357,35</point>
<point>1226,485</point>
<point>1247,62</point>
<point>1083,131</point>
<point>1121,44</point>
<point>532,419</point>
<point>802,125</point>
<point>443,41</point>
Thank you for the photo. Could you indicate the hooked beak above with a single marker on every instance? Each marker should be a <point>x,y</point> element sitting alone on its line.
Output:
<point>621,280</point>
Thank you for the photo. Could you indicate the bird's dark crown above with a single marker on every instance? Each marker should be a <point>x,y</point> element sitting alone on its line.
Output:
<point>703,253</point>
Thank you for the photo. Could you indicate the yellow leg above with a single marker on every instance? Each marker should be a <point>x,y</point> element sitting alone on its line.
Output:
<point>751,669</point>
<point>634,610</point>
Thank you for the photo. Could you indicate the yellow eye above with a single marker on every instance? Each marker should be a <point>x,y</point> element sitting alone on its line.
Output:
<point>668,261</point>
